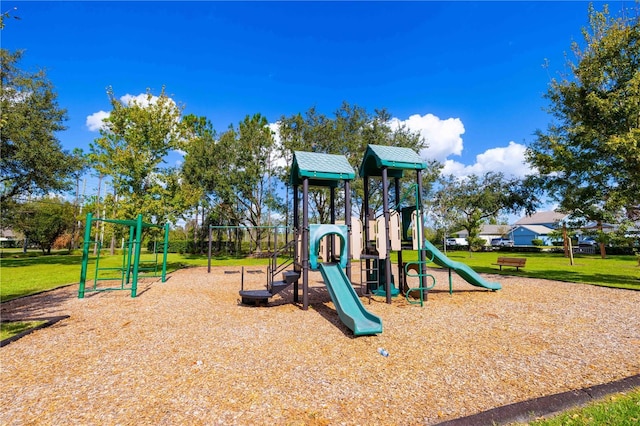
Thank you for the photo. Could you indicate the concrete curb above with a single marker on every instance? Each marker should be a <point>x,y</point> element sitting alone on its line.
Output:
<point>527,411</point>
<point>48,322</point>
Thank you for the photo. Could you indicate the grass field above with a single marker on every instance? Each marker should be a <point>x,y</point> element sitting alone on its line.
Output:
<point>615,410</point>
<point>21,276</point>
<point>614,271</point>
<point>25,275</point>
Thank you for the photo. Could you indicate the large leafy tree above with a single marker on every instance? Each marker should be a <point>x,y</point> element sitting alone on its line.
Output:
<point>589,157</point>
<point>347,132</point>
<point>133,143</point>
<point>203,169</point>
<point>250,147</point>
<point>43,220</point>
<point>475,200</point>
<point>32,160</point>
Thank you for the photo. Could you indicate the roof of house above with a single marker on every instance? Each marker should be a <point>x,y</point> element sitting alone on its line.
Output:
<point>321,169</point>
<point>487,229</point>
<point>542,217</point>
<point>8,233</point>
<point>536,229</point>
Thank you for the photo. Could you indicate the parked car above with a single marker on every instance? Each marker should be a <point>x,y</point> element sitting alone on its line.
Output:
<point>456,242</point>
<point>587,242</point>
<point>501,242</point>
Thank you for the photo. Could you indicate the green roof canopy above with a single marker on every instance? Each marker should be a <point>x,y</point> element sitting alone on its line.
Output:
<point>395,159</point>
<point>320,169</point>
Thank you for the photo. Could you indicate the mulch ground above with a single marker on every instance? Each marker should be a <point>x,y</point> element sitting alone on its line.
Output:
<point>186,352</point>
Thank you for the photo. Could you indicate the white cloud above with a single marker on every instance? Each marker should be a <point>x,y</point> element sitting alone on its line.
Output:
<point>94,121</point>
<point>508,160</point>
<point>444,137</point>
<point>142,99</point>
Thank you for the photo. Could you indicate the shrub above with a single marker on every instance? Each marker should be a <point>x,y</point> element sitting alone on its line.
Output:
<point>537,242</point>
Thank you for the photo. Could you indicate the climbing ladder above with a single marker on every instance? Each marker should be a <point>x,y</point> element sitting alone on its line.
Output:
<point>422,289</point>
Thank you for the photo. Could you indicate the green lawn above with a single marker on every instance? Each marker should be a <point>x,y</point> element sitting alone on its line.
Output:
<point>615,410</point>
<point>23,275</point>
<point>614,271</point>
<point>10,329</point>
<point>20,275</point>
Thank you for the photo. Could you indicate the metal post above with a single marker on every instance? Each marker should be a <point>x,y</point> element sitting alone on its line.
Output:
<point>347,221</point>
<point>332,220</point>
<point>209,252</point>
<point>305,244</point>
<point>136,258</point>
<point>387,219</point>
<point>85,256</point>
<point>398,210</point>
<point>296,233</point>
<point>274,262</point>
<point>166,251</point>
<point>130,252</point>
<point>421,252</point>
<point>365,206</point>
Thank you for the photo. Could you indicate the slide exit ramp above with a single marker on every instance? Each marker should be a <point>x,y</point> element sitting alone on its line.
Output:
<point>468,274</point>
<point>348,305</point>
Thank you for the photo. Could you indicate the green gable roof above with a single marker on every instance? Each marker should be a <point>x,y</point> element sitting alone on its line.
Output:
<point>395,159</point>
<point>320,169</point>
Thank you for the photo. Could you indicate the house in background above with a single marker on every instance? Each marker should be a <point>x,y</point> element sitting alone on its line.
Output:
<point>537,226</point>
<point>8,238</point>
<point>488,232</point>
<point>523,235</point>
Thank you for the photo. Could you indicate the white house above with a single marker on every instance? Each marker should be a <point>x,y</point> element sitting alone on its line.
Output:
<point>488,232</point>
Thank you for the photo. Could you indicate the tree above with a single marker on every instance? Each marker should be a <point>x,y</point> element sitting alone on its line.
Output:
<point>32,161</point>
<point>250,146</point>
<point>131,148</point>
<point>7,15</point>
<point>440,208</point>
<point>476,200</point>
<point>348,133</point>
<point>589,158</point>
<point>43,221</point>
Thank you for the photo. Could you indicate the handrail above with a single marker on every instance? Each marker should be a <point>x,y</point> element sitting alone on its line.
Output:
<point>274,269</point>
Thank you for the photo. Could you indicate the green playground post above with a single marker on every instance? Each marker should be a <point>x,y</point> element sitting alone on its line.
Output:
<point>164,251</point>
<point>130,248</point>
<point>136,258</point>
<point>85,256</point>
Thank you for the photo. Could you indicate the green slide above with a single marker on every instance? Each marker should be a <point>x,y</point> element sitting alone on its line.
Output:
<point>350,310</point>
<point>468,274</point>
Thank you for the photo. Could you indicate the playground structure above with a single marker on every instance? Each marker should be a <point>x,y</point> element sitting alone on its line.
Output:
<point>127,274</point>
<point>394,229</point>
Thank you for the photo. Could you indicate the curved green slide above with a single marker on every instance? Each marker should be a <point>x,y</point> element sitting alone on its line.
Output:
<point>350,309</point>
<point>468,274</point>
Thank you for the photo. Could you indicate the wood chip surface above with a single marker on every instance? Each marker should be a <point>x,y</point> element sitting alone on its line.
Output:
<point>185,352</point>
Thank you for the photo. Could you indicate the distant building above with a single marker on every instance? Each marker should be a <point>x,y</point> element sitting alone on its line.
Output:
<point>8,238</point>
<point>488,232</point>
<point>538,226</point>
<point>550,219</point>
<point>523,235</point>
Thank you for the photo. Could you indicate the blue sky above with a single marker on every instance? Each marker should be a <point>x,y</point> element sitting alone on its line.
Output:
<point>468,75</point>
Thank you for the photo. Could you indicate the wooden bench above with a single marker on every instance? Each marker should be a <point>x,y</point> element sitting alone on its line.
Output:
<point>516,262</point>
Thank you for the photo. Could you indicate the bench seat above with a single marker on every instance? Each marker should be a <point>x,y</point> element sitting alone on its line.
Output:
<point>516,262</point>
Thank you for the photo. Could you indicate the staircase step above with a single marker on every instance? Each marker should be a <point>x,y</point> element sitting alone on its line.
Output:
<point>278,286</point>
<point>290,276</point>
